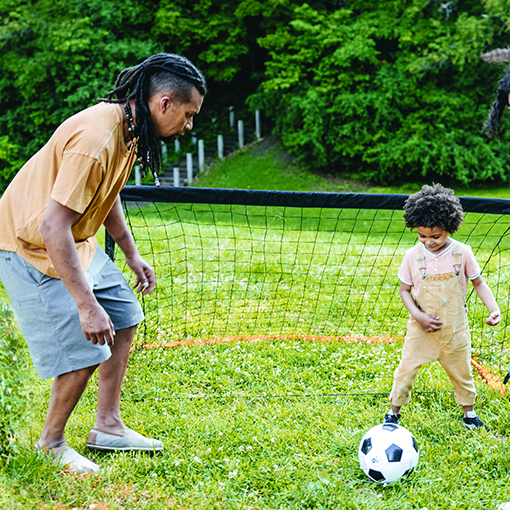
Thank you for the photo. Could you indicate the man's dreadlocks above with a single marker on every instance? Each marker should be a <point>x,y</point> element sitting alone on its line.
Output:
<point>164,72</point>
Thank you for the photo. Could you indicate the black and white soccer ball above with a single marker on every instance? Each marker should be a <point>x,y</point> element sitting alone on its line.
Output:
<point>388,452</point>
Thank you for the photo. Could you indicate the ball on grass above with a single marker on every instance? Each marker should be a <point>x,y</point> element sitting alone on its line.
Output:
<point>388,452</point>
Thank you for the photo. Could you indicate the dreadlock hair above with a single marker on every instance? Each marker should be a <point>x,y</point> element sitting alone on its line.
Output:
<point>433,206</point>
<point>500,103</point>
<point>163,72</point>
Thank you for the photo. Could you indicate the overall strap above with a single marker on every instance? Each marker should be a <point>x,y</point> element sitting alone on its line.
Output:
<point>457,257</point>
<point>420,258</point>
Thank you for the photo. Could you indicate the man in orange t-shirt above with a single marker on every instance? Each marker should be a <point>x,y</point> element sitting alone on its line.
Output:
<point>74,308</point>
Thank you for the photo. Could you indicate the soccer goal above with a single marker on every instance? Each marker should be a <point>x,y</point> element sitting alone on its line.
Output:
<point>243,263</point>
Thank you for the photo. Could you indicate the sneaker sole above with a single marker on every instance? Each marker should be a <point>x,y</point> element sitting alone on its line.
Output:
<point>123,448</point>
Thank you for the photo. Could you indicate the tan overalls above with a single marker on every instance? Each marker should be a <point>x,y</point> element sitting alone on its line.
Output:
<point>441,295</point>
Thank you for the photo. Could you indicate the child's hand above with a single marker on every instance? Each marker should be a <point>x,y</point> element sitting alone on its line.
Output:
<point>493,318</point>
<point>429,323</point>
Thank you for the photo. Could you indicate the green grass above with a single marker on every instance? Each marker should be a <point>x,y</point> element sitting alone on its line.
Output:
<point>268,424</point>
<point>262,167</point>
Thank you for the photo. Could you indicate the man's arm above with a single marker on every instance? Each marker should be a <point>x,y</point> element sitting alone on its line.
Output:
<point>58,238</point>
<point>116,226</point>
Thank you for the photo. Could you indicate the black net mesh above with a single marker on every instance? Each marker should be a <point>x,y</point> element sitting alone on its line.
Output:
<point>236,269</point>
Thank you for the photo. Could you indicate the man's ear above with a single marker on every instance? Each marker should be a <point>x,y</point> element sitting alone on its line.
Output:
<point>165,103</point>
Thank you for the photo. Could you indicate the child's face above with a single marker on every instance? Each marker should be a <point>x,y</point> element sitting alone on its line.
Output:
<point>434,239</point>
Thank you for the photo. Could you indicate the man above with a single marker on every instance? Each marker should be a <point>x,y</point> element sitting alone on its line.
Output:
<point>74,308</point>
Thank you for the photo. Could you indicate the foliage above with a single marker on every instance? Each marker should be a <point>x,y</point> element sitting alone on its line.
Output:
<point>13,392</point>
<point>267,425</point>
<point>9,161</point>
<point>393,92</point>
<point>58,57</point>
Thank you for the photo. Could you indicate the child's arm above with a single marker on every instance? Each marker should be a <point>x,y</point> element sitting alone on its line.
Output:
<point>428,322</point>
<point>486,295</point>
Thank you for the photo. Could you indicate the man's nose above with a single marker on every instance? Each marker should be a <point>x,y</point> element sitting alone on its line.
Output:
<point>189,124</point>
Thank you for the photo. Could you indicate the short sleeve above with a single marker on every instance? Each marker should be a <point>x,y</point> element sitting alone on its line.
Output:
<point>405,272</point>
<point>78,179</point>
<point>472,268</point>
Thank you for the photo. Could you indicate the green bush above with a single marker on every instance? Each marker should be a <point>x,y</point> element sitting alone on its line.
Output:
<point>396,91</point>
<point>13,390</point>
<point>9,161</point>
<point>390,90</point>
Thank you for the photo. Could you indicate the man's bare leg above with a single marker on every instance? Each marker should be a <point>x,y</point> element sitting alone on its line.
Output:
<point>111,376</point>
<point>109,432</point>
<point>66,392</point>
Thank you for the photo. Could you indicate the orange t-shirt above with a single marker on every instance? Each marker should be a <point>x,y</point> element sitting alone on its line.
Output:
<point>84,166</point>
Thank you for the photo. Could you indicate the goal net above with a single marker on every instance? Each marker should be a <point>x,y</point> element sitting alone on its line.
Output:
<point>243,263</point>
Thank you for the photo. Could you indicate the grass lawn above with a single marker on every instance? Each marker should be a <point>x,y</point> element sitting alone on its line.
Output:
<point>261,424</point>
<point>267,425</point>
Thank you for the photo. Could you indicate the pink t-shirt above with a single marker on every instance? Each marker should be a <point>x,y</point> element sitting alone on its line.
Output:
<point>409,271</point>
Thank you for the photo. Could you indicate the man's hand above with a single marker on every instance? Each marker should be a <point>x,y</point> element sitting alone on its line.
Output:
<point>97,325</point>
<point>429,323</point>
<point>145,278</point>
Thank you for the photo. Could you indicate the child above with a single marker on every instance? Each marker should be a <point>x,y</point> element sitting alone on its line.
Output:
<point>437,270</point>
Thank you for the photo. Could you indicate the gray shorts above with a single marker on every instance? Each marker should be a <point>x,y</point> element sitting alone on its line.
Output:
<point>48,317</point>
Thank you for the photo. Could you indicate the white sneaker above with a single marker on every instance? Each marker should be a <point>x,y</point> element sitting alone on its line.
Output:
<point>75,462</point>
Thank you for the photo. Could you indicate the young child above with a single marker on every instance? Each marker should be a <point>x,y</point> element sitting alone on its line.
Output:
<point>437,271</point>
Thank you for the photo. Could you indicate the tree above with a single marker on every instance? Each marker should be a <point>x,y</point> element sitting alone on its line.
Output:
<point>385,90</point>
<point>58,56</point>
<point>394,91</point>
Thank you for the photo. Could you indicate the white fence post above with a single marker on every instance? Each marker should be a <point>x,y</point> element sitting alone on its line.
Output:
<point>138,177</point>
<point>193,138</point>
<point>189,166</point>
<point>177,145</point>
<point>257,124</point>
<point>240,132</point>
<point>176,176</point>
<point>164,154</point>
<point>201,156</point>
<point>189,173</point>
<point>220,146</point>
<point>231,116</point>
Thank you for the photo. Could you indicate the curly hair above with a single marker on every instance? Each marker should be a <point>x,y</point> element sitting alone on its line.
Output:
<point>491,127</point>
<point>433,206</point>
<point>163,72</point>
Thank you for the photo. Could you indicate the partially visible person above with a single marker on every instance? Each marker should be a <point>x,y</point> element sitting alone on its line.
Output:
<point>501,103</point>
<point>74,307</point>
<point>434,279</point>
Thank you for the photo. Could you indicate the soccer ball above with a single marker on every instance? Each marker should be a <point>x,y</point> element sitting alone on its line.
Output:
<point>387,452</point>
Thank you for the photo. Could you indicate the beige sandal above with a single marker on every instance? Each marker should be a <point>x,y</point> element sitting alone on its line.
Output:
<point>130,441</point>
<point>70,459</point>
